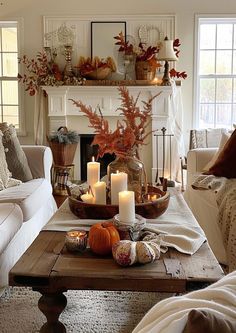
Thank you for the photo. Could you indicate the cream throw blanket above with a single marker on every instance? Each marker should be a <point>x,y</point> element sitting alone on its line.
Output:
<point>225,194</point>
<point>170,315</point>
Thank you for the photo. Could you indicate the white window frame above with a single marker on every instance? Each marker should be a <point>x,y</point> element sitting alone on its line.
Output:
<point>18,22</point>
<point>196,93</point>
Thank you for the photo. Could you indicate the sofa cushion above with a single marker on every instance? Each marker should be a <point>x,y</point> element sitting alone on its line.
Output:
<point>15,156</point>
<point>205,321</point>
<point>225,165</point>
<point>30,196</point>
<point>11,219</point>
<point>5,175</point>
<point>224,138</point>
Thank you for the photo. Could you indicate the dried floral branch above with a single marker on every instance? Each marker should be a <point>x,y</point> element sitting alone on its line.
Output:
<point>130,132</point>
<point>88,65</point>
<point>39,72</point>
<point>142,53</point>
<point>174,73</point>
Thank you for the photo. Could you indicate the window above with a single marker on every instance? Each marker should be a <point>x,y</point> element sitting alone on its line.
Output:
<point>9,88</point>
<point>215,100</point>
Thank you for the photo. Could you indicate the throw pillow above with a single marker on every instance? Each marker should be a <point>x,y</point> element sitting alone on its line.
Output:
<point>225,165</point>
<point>15,156</point>
<point>204,321</point>
<point>224,138</point>
<point>5,175</point>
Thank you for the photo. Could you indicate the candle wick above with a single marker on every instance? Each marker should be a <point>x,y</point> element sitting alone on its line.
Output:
<point>91,190</point>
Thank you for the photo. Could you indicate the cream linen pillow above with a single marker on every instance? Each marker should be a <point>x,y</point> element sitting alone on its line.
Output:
<point>15,156</point>
<point>224,138</point>
<point>5,175</point>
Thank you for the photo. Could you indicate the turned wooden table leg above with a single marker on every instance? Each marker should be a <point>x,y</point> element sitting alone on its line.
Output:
<point>52,305</point>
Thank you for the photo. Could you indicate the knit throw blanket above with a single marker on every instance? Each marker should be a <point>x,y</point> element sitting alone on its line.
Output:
<point>225,194</point>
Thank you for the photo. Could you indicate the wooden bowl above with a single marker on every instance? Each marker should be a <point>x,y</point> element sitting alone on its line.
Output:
<point>149,210</point>
<point>99,74</point>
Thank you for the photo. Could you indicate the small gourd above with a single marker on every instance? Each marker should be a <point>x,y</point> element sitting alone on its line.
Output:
<point>127,253</point>
<point>102,236</point>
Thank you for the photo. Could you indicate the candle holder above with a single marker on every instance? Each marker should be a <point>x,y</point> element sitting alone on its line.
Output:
<point>129,231</point>
<point>76,240</point>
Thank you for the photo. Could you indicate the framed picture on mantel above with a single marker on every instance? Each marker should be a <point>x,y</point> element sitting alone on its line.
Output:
<point>102,38</point>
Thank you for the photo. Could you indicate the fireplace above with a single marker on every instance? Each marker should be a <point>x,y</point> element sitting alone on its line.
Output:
<point>87,151</point>
<point>166,112</point>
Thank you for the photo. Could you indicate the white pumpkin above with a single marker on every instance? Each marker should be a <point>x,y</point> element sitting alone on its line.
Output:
<point>124,252</point>
<point>127,253</point>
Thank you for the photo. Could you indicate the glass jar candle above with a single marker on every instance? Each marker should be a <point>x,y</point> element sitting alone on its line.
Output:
<point>76,240</point>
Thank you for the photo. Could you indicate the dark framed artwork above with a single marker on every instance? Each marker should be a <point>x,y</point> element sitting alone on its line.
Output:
<point>102,37</point>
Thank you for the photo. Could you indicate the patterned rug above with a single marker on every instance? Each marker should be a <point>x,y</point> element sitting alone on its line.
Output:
<point>86,311</point>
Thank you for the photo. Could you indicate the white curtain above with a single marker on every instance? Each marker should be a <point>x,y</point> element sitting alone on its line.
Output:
<point>175,127</point>
<point>40,118</point>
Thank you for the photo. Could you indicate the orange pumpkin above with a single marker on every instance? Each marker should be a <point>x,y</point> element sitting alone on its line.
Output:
<point>102,236</point>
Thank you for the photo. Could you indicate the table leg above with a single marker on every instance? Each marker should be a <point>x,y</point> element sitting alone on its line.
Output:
<point>52,305</point>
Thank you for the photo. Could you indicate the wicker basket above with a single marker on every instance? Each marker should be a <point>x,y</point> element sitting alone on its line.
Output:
<point>63,154</point>
<point>144,71</point>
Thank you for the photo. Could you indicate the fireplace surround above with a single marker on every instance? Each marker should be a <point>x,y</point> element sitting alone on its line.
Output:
<point>166,112</point>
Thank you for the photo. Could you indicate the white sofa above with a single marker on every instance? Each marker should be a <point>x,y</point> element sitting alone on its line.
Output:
<point>25,209</point>
<point>203,203</point>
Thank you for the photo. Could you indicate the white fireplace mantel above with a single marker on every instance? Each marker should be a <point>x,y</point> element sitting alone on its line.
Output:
<point>62,112</point>
<point>106,97</point>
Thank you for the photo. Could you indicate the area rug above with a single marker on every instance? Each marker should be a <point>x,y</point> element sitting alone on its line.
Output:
<point>86,311</point>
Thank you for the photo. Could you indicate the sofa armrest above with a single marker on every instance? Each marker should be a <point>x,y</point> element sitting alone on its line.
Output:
<point>39,160</point>
<point>197,160</point>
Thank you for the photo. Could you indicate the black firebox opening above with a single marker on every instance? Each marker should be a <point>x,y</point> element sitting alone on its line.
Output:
<point>87,152</point>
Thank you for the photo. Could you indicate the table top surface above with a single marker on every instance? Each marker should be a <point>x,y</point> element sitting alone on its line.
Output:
<point>48,265</point>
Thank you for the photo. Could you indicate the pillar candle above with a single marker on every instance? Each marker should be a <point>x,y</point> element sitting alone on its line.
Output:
<point>127,207</point>
<point>100,193</point>
<point>118,183</point>
<point>93,173</point>
<point>88,198</point>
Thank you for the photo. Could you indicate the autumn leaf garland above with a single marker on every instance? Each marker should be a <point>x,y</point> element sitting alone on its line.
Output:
<point>129,134</point>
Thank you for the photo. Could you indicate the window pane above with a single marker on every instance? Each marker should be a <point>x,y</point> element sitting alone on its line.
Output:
<point>223,115</point>
<point>0,64</point>
<point>10,64</point>
<point>207,112</point>
<point>234,36</point>
<point>208,34</point>
<point>224,90</point>
<point>9,39</point>
<point>224,36</point>
<point>223,62</point>
<point>234,92</point>
<point>234,62</point>
<point>207,90</point>
<point>10,92</point>
<point>207,62</point>
<point>10,115</point>
<point>234,114</point>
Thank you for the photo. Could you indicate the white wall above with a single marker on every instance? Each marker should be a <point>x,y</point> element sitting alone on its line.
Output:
<point>33,10</point>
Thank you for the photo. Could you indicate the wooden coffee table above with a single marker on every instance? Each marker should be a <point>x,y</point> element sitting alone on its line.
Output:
<point>50,269</point>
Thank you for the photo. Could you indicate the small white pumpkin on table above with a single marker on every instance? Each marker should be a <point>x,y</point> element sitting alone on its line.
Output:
<point>127,253</point>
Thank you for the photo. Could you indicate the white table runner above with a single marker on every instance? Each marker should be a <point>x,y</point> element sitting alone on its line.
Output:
<point>177,225</point>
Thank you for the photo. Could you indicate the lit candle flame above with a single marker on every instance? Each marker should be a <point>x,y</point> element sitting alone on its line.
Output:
<point>93,159</point>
